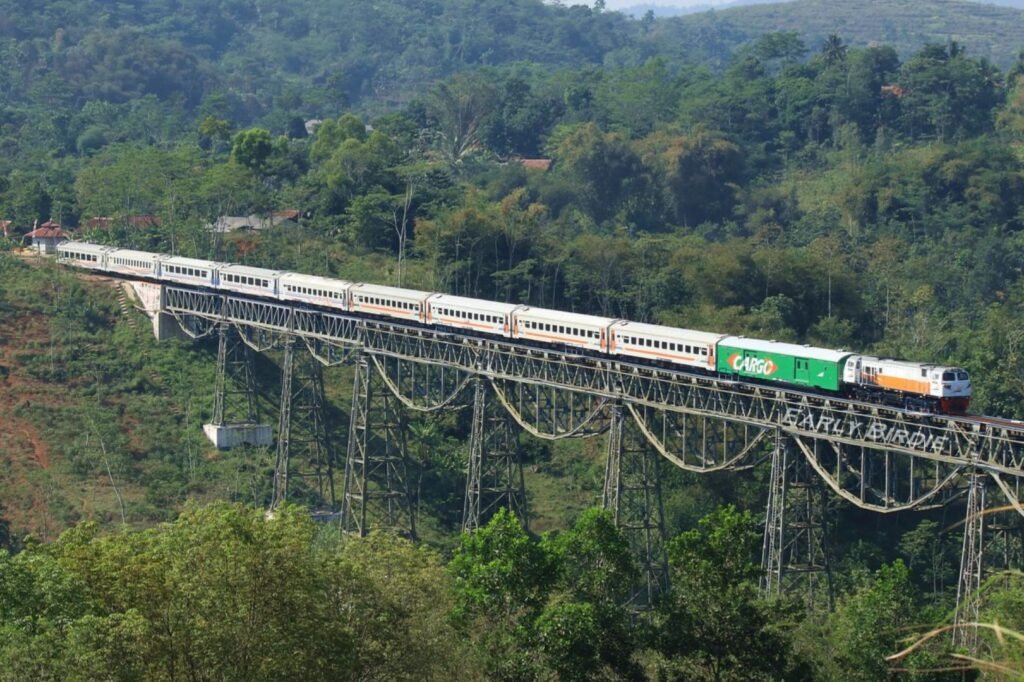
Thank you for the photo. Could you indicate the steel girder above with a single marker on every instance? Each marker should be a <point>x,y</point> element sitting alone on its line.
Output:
<point>632,492</point>
<point>968,602</point>
<point>376,493</point>
<point>795,552</point>
<point>422,387</point>
<point>494,476</point>
<point>234,394</point>
<point>302,430</point>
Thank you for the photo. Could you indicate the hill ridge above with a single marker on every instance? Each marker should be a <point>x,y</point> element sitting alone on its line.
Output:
<point>990,31</point>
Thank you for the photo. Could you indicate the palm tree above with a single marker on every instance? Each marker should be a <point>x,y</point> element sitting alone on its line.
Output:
<point>833,50</point>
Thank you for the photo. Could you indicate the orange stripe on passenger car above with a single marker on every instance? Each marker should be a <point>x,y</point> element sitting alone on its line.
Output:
<point>565,339</point>
<point>458,321</point>
<point>403,313</point>
<point>660,355</point>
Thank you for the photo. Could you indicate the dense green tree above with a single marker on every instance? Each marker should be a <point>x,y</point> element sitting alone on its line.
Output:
<point>227,189</point>
<point>332,133</point>
<point>130,180</point>
<point>741,104</point>
<point>459,110</point>
<point>946,94</point>
<point>568,635</point>
<point>714,625</point>
<point>591,628</point>
<point>701,172</point>
<point>227,593</point>
<point>868,625</point>
<point>865,101</point>
<point>214,131</point>
<point>637,99</point>
<point>26,201</point>
<point>776,49</point>
<point>606,173</point>
<point>356,167</point>
<point>502,581</point>
<point>928,554</point>
<point>1011,117</point>
<point>252,147</point>
<point>522,118</point>
<point>833,51</point>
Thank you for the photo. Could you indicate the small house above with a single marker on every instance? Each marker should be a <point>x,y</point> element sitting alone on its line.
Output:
<point>253,223</point>
<point>541,165</point>
<point>46,237</point>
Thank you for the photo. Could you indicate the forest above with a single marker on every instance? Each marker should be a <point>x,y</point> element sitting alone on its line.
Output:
<point>827,192</point>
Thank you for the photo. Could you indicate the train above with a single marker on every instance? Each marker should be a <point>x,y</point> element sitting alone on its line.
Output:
<point>917,386</point>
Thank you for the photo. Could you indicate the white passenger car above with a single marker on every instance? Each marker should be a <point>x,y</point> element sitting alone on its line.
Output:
<point>332,293</point>
<point>128,262</point>
<point>249,280</point>
<point>471,314</point>
<point>586,332</point>
<point>665,344</point>
<point>188,270</point>
<point>401,304</point>
<point>83,255</point>
<point>950,387</point>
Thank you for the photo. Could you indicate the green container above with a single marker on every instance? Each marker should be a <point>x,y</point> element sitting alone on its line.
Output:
<point>786,363</point>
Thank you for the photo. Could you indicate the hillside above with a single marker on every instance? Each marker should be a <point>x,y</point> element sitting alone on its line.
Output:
<point>304,56</point>
<point>303,59</point>
<point>995,33</point>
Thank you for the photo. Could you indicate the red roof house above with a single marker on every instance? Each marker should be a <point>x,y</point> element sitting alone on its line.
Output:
<point>46,237</point>
<point>536,164</point>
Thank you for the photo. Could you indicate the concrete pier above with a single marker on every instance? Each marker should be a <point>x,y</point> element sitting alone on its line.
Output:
<point>227,436</point>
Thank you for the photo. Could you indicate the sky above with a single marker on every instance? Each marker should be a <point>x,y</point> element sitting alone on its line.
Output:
<point>622,4</point>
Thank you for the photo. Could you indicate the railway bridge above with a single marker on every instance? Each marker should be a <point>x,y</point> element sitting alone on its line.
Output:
<point>877,458</point>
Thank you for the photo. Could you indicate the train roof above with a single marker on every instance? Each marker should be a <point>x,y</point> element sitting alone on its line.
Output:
<point>395,292</point>
<point>314,279</point>
<point>669,332</point>
<point>84,247</point>
<point>190,262</point>
<point>562,317</point>
<point>130,253</point>
<point>793,349</point>
<point>909,364</point>
<point>249,270</point>
<point>473,303</point>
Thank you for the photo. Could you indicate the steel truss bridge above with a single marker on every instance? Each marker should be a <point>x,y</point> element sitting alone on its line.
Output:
<point>876,458</point>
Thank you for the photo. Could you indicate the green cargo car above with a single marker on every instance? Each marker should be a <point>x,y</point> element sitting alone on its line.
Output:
<point>786,363</point>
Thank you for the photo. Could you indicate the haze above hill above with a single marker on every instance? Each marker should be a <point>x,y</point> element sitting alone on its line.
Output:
<point>667,8</point>
<point>996,33</point>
